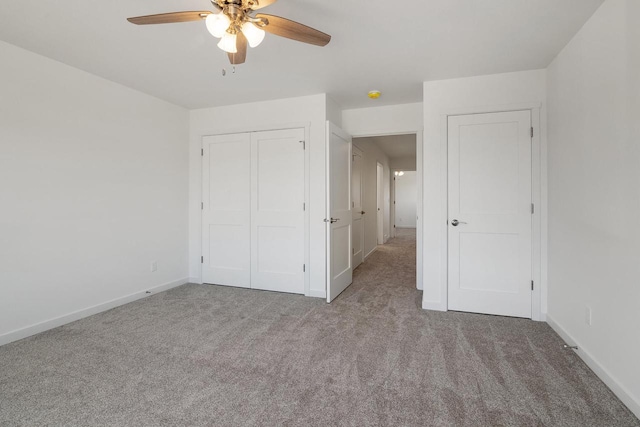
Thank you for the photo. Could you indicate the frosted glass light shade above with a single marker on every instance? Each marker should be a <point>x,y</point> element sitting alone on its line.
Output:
<point>217,24</point>
<point>253,34</point>
<point>228,43</point>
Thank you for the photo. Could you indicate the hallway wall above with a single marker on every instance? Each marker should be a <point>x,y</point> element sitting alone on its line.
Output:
<point>405,198</point>
<point>372,155</point>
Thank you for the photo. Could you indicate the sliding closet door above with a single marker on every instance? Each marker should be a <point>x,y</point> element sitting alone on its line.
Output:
<point>277,210</point>
<point>226,210</point>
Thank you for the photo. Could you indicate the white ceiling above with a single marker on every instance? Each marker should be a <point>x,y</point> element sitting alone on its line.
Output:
<point>394,146</point>
<point>385,45</point>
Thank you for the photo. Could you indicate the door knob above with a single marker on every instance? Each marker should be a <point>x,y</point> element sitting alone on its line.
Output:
<point>362,213</point>
<point>455,222</point>
<point>334,220</point>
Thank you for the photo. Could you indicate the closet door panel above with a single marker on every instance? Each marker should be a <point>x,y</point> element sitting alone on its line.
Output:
<point>226,210</point>
<point>277,210</point>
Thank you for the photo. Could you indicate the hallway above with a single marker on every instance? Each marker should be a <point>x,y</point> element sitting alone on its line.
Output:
<point>211,355</point>
<point>387,275</point>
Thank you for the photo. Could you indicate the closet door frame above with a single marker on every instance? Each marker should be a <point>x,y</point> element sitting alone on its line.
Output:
<point>307,185</point>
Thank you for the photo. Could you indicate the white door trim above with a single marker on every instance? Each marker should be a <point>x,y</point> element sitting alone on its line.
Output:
<point>419,201</point>
<point>539,197</point>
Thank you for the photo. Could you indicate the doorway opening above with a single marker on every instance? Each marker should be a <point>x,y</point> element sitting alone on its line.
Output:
<point>377,162</point>
<point>404,195</point>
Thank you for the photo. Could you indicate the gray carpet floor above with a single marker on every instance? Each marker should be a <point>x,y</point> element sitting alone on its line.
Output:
<point>209,355</point>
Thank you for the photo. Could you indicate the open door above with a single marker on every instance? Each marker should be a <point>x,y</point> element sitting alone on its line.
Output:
<point>357,214</point>
<point>339,220</point>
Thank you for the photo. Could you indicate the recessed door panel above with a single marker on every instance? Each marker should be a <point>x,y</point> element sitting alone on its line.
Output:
<point>488,159</point>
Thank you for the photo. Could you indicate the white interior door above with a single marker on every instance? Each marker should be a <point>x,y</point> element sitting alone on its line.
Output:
<point>380,203</point>
<point>277,210</point>
<point>339,217</point>
<point>226,210</point>
<point>357,207</point>
<point>489,227</point>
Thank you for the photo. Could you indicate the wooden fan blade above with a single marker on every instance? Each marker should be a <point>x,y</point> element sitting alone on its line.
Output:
<point>241,46</point>
<point>168,18</point>
<point>284,27</point>
<point>259,4</point>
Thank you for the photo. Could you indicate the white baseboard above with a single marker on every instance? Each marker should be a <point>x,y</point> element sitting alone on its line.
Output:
<point>19,334</point>
<point>618,389</point>
<point>369,254</point>
<point>541,318</point>
<point>315,293</point>
<point>433,305</point>
<point>195,280</point>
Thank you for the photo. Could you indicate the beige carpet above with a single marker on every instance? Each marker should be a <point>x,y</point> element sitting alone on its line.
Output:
<point>209,355</point>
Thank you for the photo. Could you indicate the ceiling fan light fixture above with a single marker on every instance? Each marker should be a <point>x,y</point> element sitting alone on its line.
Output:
<point>217,24</point>
<point>228,43</point>
<point>253,34</point>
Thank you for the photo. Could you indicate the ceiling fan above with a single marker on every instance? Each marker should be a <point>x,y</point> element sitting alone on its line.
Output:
<point>236,26</point>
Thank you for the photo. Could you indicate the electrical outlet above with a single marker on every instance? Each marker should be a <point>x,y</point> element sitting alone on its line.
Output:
<point>154,266</point>
<point>587,315</point>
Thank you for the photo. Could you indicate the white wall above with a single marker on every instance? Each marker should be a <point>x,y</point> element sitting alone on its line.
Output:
<point>93,187</point>
<point>334,112</point>
<point>308,111</point>
<point>403,163</point>
<point>500,92</point>
<point>372,155</point>
<point>386,120</point>
<point>405,197</point>
<point>594,195</point>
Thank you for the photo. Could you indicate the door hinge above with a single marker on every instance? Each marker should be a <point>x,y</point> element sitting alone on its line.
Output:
<point>531,131</point>
<point>202,260</point>
<point>202,205</point>
<point>304,145</point>
<point>304,268</point>
<point>202,151</point>
<point>533,209</point>
<point>532,285</point>
<point>304,206</point>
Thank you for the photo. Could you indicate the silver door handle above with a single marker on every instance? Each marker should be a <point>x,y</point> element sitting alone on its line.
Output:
<point>455,222</point>
<point>332,220</point>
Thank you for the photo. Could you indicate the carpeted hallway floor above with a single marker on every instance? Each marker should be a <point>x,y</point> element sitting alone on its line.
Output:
<point>208,355</point>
